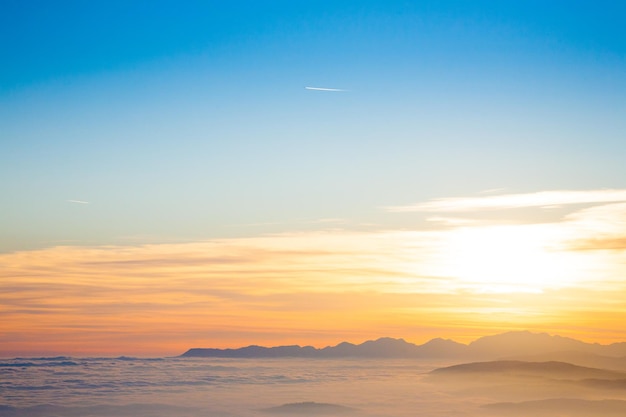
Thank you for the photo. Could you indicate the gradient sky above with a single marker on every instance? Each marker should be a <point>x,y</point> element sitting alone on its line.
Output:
<point>167,180</point>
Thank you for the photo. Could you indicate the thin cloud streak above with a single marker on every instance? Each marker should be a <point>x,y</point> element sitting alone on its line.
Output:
<point>78,201</point>
<point>324,89</point>
<point>512,201</point>
<point>617,244</point>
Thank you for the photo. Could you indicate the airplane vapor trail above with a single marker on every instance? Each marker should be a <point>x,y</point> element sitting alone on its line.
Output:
<point>324,89</point>
<point>78,201</point>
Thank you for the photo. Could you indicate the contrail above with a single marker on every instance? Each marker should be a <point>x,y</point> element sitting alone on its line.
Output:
<point>324,89</point>
<point>78,201</point>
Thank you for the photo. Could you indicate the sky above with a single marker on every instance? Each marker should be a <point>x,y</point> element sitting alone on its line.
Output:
<point>218,174</point>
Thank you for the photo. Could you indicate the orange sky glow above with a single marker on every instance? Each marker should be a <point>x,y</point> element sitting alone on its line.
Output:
<point>461,275</point>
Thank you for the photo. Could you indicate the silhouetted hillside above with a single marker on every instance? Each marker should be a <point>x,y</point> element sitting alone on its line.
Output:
<point>309,408</point>
<point>254,352</point>
<point>519,368</point>
<point>506,345</point>
<point>528,343</point>
<point>591,360</point>
<point>382,348</point>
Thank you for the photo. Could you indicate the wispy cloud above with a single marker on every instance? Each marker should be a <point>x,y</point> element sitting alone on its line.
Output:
<point>451,221</point>
<point>601,228</point>
<point>78,201</point>
<point>324,89</point>
<point>329,220</point>
<point>618,244</point>
<point>493,191</point>
<point>511,201</point>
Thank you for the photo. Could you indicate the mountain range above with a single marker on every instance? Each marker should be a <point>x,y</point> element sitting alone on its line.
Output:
<point>518,345</point>
<point>556,370</point>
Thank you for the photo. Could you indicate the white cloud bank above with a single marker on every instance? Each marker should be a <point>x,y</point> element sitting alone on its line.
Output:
<point>512,201</point>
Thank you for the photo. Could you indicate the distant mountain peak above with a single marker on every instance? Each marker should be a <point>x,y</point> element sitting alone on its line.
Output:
<point>389,341</point>
<point>309,408</point>
<point>499,346</point>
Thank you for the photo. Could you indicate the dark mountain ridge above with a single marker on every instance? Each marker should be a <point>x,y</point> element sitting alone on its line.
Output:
<point>505,345</point>
<point>520,368</point>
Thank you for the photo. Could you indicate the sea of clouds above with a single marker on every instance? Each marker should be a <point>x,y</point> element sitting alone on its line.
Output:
<point>189,387</point>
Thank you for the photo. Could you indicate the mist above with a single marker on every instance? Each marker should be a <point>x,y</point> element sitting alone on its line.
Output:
<point>253,387</point>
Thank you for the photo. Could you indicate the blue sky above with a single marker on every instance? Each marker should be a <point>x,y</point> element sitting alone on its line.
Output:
<point>190,120</point>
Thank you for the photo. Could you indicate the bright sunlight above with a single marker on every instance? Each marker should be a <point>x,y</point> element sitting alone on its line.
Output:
<point>511,258</point>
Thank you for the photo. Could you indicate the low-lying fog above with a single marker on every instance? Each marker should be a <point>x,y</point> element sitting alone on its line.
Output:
<point>189,387</point>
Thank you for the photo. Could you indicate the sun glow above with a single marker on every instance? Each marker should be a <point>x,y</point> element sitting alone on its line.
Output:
<point>514,258</point>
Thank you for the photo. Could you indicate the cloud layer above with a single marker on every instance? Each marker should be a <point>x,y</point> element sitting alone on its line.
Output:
<point>511,201</point>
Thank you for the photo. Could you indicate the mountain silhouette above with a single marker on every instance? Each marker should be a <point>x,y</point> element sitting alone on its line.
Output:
<point>501,346</point>
<point>591,360</point>
<point>552,369</point>
<point>309,408</point>
<point>384,347</point>
<point>528,381</point>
